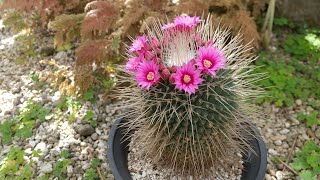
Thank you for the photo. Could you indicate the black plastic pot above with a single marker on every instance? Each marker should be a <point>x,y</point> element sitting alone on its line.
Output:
<point>254,164</point>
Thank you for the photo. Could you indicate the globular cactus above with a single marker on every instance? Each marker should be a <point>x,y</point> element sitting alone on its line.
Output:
<point>187,88</point>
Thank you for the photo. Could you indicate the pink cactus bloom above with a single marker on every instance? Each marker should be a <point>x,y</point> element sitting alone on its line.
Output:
<point>133,64</point>
<point>210,59</point>
<point>148,55</point>
<point>173,69</point>
<point>168,26</point>
<point>139,44</point>
<point>187,78</point>
<point>147,74</point>
<point>155,45</point>
<point>171,78</point>
<point>165,74</point>
<point>186,22</point>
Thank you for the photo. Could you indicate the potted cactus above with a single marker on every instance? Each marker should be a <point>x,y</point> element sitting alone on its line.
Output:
<point>186,93</point>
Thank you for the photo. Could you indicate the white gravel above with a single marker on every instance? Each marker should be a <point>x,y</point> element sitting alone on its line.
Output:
<point>142,168</point>
<point>53,135</point>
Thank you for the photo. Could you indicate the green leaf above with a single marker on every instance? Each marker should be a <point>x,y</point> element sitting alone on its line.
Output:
<point>12,163</point>
<point>314,161</point>
<point>43,177</point>
<point>24,129</point>
<point>95,163</point>
<point>89,115</point>
<point>65,153</point>
<point>43,113</point>
<point>6,131</point>
<point>36,153</point>
<point>300,163</point>
<point>310,146</point>
<point>312,119</point>
<point>307,175</point>
<point>26,172</point>
<point>65,47</point>
<point>89,95</point>
<point>90,174</point>
<point>313,39</point>
<point>60,168</point>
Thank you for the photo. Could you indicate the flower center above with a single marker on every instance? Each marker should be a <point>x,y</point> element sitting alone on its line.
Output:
<point>188,22</point>
<point>207,63</point>
<point>150,76</point>
<point>139,44</point>
<point>186,78</point>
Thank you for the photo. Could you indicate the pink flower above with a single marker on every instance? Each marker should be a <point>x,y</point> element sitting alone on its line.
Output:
<point>186,22</point>
<point>171,78</point>
<point>155,45</point>
<point>148,55</point>
<point>139,45</point>
<point>168,26</point>
<point>147,74</point>
<point>210,59</point>
<point>155,42</point>
<point>173,69</point>
<point>187,78</point>
<point>182,22</point>
<point>133,64</point>
<point>165,74</point>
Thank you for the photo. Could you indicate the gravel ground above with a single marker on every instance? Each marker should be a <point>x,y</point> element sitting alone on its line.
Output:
<point>142,168</point>
<point>282,132</point>
<point>53,136</point>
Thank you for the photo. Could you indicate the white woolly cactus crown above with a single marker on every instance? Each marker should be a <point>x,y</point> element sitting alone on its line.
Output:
<point>186,90</point>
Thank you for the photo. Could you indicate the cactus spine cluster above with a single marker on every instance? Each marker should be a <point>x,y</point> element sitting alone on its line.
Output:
<point>189,128</point>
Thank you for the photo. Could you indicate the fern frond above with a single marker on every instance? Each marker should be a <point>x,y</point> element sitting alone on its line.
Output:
<point>99,18</point>
<point>89,57</point>
<point>66,28</point>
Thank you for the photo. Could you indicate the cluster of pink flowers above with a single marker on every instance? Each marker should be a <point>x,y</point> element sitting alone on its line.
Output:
<point>149,69</point>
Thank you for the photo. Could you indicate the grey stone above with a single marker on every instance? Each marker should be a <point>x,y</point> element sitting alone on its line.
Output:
<point>52,140</point>
<point>54,152</point>
<point>102,144</point>
<point>285,145</point>
<point>280,175</point>
<point>94,136</point>
<point>85,130</point>
<point>280,166</point>
<point>299,102</point>
<point>309,109</point>
<point>69,169</point>
<point>279,137</point>
<point>32,143</point>
<point>85,166</point>
<point>16,101</point>
<point>272,152</point>
<point>46,168</point>
<point>16,90</point>
<point>42,147</point>
<point>61,56</point>
<point>284,131</point>
<point>278,142</point>
<point>268,177</point>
